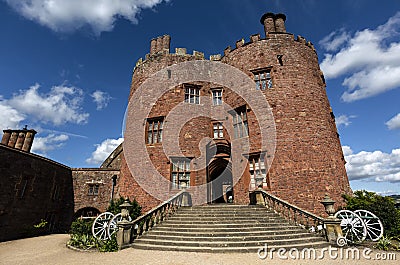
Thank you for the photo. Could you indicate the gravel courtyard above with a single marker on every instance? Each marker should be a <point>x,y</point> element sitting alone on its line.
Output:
<point>52,250</point>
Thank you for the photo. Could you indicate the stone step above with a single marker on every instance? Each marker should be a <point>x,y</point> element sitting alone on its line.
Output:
<point>224,215</point>
<point>232,219</point>
<point>226,228</point>
<point>225,243</point>
<point>229,233</point>
<point>223,224</point>
<point>230,229</point>
<point>226,237</point>
<point>224,249</point>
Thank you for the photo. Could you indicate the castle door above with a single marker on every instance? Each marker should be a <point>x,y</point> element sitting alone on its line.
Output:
<point>220,181</point>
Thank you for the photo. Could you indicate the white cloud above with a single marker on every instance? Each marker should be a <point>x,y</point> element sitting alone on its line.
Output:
<point>101,99</point>
<point>66,16</point>
<point>347,150</point>
<point>42,145</point>
<point>344,120</point>
<point>394,123</point>
<point>103,150</point>
<point>61,105</point>
<point>369,59</point>
<point>10,118</point>
<point>376,166</point>
<point>335,40</point>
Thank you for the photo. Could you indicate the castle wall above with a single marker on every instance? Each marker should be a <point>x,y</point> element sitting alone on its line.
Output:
<point>33,188</point>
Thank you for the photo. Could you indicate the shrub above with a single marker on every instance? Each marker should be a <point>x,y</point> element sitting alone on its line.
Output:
<point>110,245</point>
<point>81,234</point>
<point>81,227</point>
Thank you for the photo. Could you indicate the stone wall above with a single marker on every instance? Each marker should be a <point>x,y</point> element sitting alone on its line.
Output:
<point>33,188</point>
<point>93,187</point>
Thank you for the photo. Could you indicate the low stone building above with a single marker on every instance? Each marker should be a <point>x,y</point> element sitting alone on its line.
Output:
<point>35,189</point>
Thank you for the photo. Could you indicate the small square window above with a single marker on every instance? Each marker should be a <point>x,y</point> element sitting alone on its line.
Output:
<point>263,80</point>
<point>93,189</point>
<point>192,94</point>
<point>218,130</point>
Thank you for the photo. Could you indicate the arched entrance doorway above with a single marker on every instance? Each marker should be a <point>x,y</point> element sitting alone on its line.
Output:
<point>220,181</point>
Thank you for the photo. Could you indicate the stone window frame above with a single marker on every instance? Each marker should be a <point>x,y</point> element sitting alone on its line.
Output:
<point>258,170</point>
<point>180,172</point>
<point>263,78</point>
<point>93,189</point>
<point>24,186</point>
<point>192,93</point>
<point>217,99</point>
<point>240,122</point>
<point>217,130</point>
<point>154,128</point>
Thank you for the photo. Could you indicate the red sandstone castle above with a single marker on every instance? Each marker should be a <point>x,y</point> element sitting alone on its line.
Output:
<point>263,120</point>
<point>307,161</point>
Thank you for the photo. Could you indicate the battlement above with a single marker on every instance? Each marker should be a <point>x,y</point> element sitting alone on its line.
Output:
<point>274,27</point>
<point>270,36</point>
<point>160,46</point>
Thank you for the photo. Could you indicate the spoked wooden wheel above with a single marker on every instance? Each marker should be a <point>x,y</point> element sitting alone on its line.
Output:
<point>353,227</point>
<point>372,223</point>
<point>100,226</point>
<point>112,225</point>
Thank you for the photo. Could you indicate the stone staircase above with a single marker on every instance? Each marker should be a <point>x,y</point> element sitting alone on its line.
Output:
<point>226,228</point>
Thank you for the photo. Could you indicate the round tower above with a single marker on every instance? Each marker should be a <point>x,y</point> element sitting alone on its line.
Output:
<point>286,79</point>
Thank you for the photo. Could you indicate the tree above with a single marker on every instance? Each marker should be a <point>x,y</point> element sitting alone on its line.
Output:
<point>134,211</point>
<point>383,207</point>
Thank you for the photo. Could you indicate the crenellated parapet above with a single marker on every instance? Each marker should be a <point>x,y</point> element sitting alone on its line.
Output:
<point>274,27</point>
<point>160,47</point>
<point>270,36</point>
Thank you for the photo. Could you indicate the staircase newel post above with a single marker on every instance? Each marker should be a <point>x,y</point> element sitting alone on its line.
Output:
<point>124,233</point>
<point>186,199</point>
<point>332,224</point>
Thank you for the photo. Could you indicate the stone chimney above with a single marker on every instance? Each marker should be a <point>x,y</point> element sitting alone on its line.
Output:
<point>19,139</point>
<point>280,23</point>
<point>273,22</point>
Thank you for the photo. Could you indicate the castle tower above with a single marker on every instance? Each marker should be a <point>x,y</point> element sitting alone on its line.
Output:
<point>308,160</point>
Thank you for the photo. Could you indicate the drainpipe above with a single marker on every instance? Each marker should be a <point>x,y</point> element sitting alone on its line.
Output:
<point>114,183</point>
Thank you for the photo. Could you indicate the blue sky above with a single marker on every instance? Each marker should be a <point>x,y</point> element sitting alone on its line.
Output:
<point>66,69</point>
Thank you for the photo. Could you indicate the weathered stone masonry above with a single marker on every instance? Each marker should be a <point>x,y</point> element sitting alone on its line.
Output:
<point>308,161</point>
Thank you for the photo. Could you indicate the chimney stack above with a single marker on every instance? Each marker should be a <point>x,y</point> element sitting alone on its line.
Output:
<point>280,23</point>
<point>19,139</point>
<point>273,23</point>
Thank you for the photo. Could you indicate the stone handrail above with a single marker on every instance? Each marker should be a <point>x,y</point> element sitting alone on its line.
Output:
<point>290,212</point>
<point>129,231</point>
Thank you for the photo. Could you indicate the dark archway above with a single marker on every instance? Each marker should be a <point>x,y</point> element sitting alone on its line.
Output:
<point>220,181</point>
<point>86,212</point>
